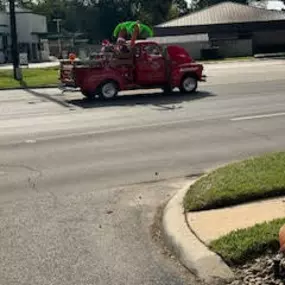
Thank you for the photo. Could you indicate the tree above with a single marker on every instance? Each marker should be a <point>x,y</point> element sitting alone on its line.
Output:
<point>97,18</point>
<point>173,12</point>
<point>154,12</point>
<point>178,8</point>
<point>182,7</point>
<point>200,4</point>
<point>25,3</point>
<point>112,12</point>
<point>2,5</point>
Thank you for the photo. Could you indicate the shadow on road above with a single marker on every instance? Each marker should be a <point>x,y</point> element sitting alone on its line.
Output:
<point>44,96</point>
<point>154,99</point>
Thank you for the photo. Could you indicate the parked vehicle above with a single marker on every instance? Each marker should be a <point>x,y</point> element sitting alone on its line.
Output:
<point>146,65</point>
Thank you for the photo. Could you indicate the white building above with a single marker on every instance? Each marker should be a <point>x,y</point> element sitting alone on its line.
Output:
<point>31,28</point>
<point>4,31</point>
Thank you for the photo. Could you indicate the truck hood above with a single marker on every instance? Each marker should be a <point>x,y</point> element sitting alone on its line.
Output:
<point>191,64</point>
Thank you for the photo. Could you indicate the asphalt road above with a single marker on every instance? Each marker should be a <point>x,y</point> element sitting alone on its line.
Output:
<point>80,182</point>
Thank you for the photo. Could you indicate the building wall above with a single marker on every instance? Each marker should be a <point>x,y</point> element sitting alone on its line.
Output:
<point>4,30</point>
<point>4,25</point>
<point>266,42</point>
<point>234,47</point>
<point>45,51</point>
<point>2,55</point>
<point>227,48</point>
<point>242,39</point>
<point>28,24</point>
<point>4,20</point>
<point>194,48</point>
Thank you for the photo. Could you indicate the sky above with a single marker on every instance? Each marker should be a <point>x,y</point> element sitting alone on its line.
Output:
<point>276,5</point>
<point>272,4</point>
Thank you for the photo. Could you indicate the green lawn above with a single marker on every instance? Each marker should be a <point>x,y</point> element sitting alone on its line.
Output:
<point>251,179</point>
<point>244,245</point>
<point>31,76</point>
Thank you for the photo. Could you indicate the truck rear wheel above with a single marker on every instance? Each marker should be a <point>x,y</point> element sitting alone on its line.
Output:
<point>188,84</point>
<point>109,90</point>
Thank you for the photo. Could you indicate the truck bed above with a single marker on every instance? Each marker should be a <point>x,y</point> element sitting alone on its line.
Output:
<point>69,75</point>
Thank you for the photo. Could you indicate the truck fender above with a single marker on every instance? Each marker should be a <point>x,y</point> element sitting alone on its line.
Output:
<point>93,83</point>
<point>194,71</point>
<point>189,73</point>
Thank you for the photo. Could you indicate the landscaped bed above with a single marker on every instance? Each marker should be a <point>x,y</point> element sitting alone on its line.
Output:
<point>248,180</point>
<point>253,252</point>
<point>32,77</point>
<point>253,249</point>
<point>240,246</point>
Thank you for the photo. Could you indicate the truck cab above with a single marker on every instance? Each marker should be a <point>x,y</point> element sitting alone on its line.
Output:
<point>146,65</point>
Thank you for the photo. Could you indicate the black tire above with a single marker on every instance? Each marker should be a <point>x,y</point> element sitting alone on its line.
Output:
<point>188,84</point>
<point>109,90</point>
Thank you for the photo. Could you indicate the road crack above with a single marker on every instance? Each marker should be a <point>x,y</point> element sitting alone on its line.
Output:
<point>33,173</point>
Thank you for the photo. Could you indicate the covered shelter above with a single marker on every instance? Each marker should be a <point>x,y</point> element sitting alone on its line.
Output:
<point>233,29</point>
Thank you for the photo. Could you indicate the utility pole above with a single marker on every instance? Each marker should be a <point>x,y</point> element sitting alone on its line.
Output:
<point>14,38</point>
<point>58,33</point>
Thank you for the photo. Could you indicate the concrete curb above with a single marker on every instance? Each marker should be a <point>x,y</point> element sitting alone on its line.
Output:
<point>192,253</point>
<point>269,55</point>
<point>255,58</point>
<point>33,87</point>
<point>212,62</point>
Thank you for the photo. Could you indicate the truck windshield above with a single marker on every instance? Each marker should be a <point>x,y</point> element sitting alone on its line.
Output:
<point>152,50</point>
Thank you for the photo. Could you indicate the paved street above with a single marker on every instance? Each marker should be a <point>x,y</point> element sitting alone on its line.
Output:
<point>80,182</point>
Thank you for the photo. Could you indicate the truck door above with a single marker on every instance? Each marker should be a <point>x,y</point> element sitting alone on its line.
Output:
<point>150,65</point>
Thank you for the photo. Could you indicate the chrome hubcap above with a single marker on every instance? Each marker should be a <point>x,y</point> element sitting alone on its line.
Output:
<point>109,90</point>
<point>189,84</point>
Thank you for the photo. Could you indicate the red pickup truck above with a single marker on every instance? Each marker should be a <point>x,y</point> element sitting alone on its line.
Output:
<point>146,65</point>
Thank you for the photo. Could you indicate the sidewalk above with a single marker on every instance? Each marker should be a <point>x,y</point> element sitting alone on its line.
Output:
<point>213,224</point>
<point>32,65</point>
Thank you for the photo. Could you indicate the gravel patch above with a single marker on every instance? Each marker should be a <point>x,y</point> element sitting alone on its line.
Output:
<point>266,270</point>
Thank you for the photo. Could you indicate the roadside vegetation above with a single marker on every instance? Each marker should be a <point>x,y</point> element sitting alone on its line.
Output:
<point>255,178</point>
<point>248,180</point>
<point>244,245</point>
<point>32,77</point>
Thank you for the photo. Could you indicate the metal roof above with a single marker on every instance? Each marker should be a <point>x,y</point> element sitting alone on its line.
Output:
<point>225,13</point>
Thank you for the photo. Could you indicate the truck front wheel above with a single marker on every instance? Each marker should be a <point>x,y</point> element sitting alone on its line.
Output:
<point>188,84</point>
<point>109,90</point>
